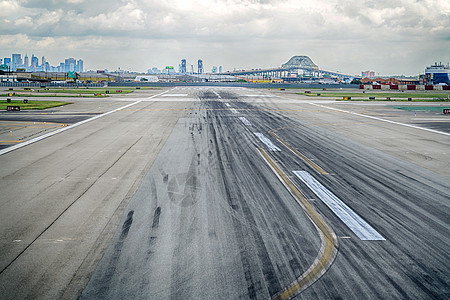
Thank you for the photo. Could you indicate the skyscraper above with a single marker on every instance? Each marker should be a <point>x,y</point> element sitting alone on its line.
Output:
<point>34,63</point>
<point>25,62</point>
<point>80,66</point>
<point>7,61</point>
<point>200,66</point>
<point>69,64</point>
<point>183,66</point>
<point>16,61</point>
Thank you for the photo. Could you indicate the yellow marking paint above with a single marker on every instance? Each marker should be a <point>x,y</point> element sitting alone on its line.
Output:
<point>10,142</point>
<point>329,245</point>
<point>297,153</point>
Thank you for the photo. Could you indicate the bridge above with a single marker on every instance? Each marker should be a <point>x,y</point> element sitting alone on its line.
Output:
<point>295,66</point>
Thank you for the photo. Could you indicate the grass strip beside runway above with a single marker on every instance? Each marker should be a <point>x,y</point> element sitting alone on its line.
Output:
<point>31,104</point>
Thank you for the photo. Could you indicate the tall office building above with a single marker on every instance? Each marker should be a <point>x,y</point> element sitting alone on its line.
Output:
<point>368,74</point>
<point>220,69</point>
<point>69,64</point>
<point>183,66</point>
<point>200,66</point>
<point>7,61</point>
<point>80,66</point>
<point>34,63</point>
<point>16,61</point>
<point>25,62</point>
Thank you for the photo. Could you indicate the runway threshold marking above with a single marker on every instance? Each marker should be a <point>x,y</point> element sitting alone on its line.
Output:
<point>267,142</point>
<point>312,164</point>
<point>358,225</point>
<point>49,134</point>
<point>380,119</point>
<point>329,242</point>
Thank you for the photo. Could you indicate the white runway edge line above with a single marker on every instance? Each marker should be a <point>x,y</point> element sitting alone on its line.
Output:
<point>360,227</point>
<point>379,119</point>
<point>44,136</point>
<point>245,121</point>
<point>266,141</point>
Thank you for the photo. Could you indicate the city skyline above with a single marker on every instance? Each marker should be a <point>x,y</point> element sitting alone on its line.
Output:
<point>15,62</point>
<point>347,36</point>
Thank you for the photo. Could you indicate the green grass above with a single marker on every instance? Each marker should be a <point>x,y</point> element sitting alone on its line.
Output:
<point>24,95</point>
<point>32,104</point>
<point>381,95</point>
<point>421,108</point>
<point>75,91</point>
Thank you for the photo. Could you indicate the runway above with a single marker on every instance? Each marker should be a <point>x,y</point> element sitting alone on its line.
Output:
<point>229,193</point>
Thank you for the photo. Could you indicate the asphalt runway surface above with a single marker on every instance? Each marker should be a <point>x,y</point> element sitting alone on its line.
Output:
<point>230,193</point>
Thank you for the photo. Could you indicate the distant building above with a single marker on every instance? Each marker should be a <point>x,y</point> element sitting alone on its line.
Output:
<point>7,61</point>
<point>368,74</point>
<point>143,78</point>
<point>220,69</point>
<point>183,66</point>
<point>154,70</point>
<point>34,63</point>
<point>80,66</point>
<point>69,65</point>
<point>214,69</point>
<point>26,62</point>
<point>16,61</point>
<point>438,74</point>
<point>200,67</point>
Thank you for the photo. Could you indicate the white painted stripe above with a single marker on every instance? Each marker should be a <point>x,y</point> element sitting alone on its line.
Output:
<point>218,96</point>
<point>379,119</point>
<point>234,111</point>
<point>245,121</point>
<point>175,95</point>
<point>266,141</point>
<point>360,227</point>
<point>49,134</point>
<point>228,104</point>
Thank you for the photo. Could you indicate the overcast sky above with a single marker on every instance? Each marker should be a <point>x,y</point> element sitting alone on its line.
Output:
<point>386,36</point>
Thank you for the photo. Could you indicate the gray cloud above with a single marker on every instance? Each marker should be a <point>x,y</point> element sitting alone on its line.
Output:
<point>342,35</point>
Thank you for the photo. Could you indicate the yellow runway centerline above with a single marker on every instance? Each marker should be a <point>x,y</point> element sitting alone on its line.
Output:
<point>10,142</point>
<point>329,242</point>
<point>297,153</point>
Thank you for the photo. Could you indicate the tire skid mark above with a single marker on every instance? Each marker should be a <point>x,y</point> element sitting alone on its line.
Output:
<point>329,246</point>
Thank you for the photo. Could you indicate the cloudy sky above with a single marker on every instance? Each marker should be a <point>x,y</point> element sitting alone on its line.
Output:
<point>386,36</point>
